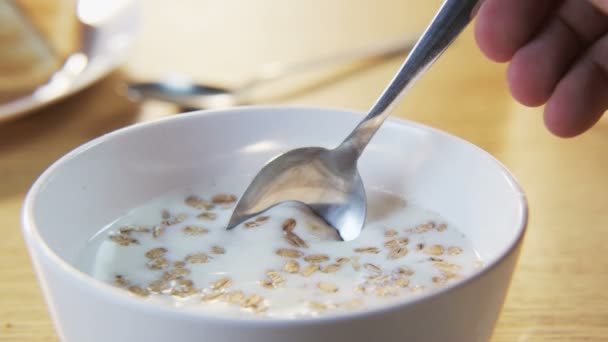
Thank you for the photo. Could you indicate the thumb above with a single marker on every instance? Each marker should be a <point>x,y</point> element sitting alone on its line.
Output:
<point>601,5</point>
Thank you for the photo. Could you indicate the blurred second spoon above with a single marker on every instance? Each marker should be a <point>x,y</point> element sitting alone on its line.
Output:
<point>187,94</point>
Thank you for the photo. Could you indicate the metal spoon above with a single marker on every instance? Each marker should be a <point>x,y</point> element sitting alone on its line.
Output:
<point>186,94</point>
<point>327,181</point>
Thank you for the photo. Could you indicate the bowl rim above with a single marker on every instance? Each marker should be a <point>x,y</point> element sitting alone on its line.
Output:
<point>115,296</point>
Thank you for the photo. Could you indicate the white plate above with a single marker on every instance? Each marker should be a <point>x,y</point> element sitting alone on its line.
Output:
<point>109,29</point>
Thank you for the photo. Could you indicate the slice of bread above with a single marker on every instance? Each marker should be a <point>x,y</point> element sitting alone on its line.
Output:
<point>36,36</point>
<point>57,22</point>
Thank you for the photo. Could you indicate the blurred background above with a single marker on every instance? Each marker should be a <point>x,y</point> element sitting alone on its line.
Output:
<point>558,293</point>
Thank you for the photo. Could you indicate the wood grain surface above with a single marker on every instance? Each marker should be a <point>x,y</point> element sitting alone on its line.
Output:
<point>560,288</point>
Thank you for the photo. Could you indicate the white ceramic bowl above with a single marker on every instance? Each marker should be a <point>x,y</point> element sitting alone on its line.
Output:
<point>98,182</point>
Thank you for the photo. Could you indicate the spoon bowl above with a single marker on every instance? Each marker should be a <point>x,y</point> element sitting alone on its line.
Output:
<point>331,187</point>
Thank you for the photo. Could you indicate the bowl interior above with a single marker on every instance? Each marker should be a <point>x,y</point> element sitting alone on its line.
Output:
<point>101,181</point>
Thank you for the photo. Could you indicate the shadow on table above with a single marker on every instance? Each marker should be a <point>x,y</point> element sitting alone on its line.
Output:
<point>31,143</point>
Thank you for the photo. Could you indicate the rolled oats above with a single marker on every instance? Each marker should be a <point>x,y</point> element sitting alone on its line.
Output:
<point>317,306</point>
<point>195,230</point>
<point>123,239</point>
<point>331,268</point>
<point>288,253</point>
<point>355,263</point>
<point>158,286</point>
<point>173,220</point>
<point>223,199</point>
<point>235,297</point>
<point>258,221</point>
<point>435,250</point>
<point>438,280</point>
<point>402,282</point>
<point>289,224</point>
<point>252,301</point>
<point>212,296</point>
<point>373,250</point>
<point>327,287</point>
<point>396,253</point>
<point>209,216</point>
<point>133,229</point>
<point>158,263</point>
<point>453,250</point>
<point>184,290</point>
<point>156,252</point>
<point>198,203</point>
<point>197,258</point>
<point>310,269</point>
<point>316,258</point>
<point>275,277</point>
<point>379,267</point>
<point>403,271</point>
<point>374,269</point>
<point>342,260</point>
<point>175,273</point>
<point>291,266</point>
<point>390,233</point>
<point>222,284</point>
<point>295,240</point>
<point>446,266</point>
<point>136,290</point>
<point>120,281</point>
<point>218,250</point>
<point>157,230</point>
<point>267,284</point>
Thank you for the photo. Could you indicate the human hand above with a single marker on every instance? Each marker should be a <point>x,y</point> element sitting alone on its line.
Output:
<point>558,53</point>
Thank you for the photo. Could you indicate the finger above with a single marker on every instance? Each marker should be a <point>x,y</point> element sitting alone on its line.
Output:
<point>539,65</point>
<point>503,26</point>
<point>581,97</point>
<point>601,5</point>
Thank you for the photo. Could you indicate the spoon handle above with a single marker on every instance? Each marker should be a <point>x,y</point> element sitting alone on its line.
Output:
<point>450,20</point>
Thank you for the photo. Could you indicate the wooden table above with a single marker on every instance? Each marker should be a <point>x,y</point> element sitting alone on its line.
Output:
<point>559,291</point>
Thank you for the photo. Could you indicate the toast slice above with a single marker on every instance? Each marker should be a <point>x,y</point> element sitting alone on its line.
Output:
<point>36,36</point>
